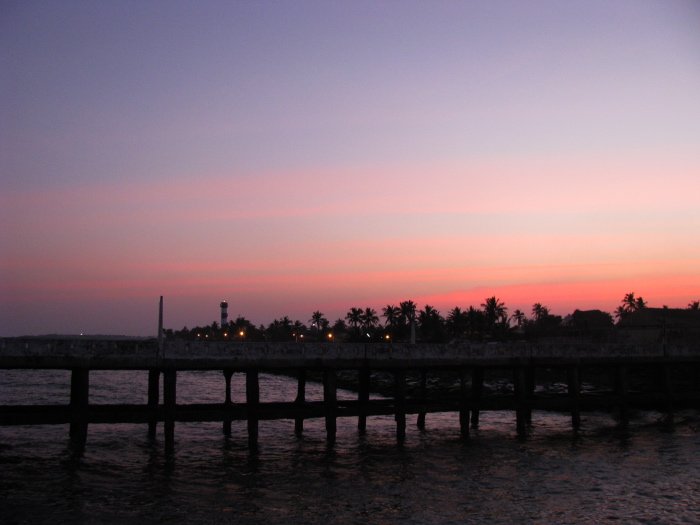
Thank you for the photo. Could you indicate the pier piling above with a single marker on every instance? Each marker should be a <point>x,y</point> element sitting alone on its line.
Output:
<point>363,398</point>
<point>169,400</point>
<point>621,388</point>
<point>667,390</point>
<point>420,420</point>
<point>252,391</point>
<point>574,389</point>
<point>153,400</point>
<point>463,404</point>
<point>300,400</point>
<point>521,411</point>
<point>400,404</point>
<point>79,397</point>
<point>477,393</point>
<point>228,374</point>
<point>330,400</point>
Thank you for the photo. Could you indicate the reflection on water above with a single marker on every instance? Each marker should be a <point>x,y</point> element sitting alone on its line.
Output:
<point>602,474</point>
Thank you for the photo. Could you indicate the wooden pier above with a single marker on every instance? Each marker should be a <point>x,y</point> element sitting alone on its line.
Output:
<point>672,379</point>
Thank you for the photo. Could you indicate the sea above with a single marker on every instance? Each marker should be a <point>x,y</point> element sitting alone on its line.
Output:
<point>644,473</point>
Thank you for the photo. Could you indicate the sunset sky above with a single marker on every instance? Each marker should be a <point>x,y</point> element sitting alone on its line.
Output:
<point>297,156</point>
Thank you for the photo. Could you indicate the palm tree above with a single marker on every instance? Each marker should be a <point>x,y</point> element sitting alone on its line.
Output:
<point>392,314</point>
<point>318,320</point>
<point>430,322</point>
<point>369,320</point>
<point>630,304</point>
<point>297,330</point>
<point>339,329</point>
<point>519,317</point>
<point>408,317</point>
<point>476,322</point>
<point>539,312</point>
<point>620,312</point>
<point>457,322</point>
<point>354,317</point>
<point>694,305</point>
<point>408,311</point>
<point>493,308</point>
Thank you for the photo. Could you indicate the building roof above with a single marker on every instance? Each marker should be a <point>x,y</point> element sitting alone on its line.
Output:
<point>591,319</point>
<point>670,317</point>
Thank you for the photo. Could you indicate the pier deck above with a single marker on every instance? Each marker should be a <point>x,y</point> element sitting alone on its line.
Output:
<point>519,361</point>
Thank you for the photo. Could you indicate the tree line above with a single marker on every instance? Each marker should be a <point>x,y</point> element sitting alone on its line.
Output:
<point>403,323</point>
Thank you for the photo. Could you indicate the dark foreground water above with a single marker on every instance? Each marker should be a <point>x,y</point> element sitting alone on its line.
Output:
<point>603,475</point>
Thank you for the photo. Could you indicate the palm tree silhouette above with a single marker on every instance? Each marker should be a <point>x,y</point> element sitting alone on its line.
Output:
<point>476,322</point>
<point>392,316</point>
<point>430,322</point>
<point>629,304</point>
<point>457,322</point>
<point>408,317</point>
<point>519,317</point>
<point>493,308</point>
<point>354,317</point>
<point>318,320</point>
<point>369,320</point>
<point>539,312</point>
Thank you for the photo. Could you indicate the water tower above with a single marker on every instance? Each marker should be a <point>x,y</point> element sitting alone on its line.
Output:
<point>224,313</point>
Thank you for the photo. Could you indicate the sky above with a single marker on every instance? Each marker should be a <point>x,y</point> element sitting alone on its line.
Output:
<point>289,157</point>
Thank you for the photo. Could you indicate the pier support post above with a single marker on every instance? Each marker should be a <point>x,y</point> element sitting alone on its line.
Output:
<point>477,392</point>
<point>79,397</point>
<point>463,404</point>
<point>153,400</point>
<point>252,392</point>
<point>300,400</point>
<point>169,400</point>
<point>529,391</point>
<point>228,374</point>
<point>621,387</point>
<point>363,398</point>
<point>667,389</point>
<point>574,384</point>
<point>330,402</point>
<point>420,421</point>
<point>519,384</point>
<point>400,404</point>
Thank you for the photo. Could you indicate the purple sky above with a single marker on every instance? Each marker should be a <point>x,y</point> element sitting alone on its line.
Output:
<point>299,156</point>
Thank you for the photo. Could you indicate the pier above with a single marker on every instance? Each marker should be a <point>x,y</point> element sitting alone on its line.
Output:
<point>647,376</point>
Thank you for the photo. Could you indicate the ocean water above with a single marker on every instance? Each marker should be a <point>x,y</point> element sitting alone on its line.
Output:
<point>603,474</point>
